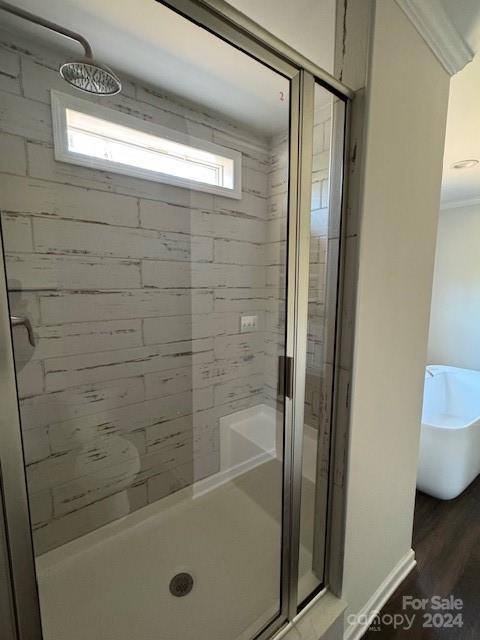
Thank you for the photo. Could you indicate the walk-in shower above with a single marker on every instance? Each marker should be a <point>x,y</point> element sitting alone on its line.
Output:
<point>172,257</point>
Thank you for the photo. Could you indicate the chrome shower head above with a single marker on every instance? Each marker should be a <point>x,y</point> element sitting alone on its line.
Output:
<point>87,75</point>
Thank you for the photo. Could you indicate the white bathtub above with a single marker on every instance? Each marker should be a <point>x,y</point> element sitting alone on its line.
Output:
<point>112,584</point>
<point>450,434</point>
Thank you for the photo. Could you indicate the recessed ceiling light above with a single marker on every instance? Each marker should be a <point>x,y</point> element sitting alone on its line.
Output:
<point>465,164</point>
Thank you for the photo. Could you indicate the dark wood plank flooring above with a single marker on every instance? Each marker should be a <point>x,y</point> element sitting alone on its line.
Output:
<point>446,540</point>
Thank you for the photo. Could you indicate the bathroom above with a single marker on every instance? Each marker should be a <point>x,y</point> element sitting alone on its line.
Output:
<point>214,268</point>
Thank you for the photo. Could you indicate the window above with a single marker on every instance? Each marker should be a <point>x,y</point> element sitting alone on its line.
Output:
<point>94,136</point>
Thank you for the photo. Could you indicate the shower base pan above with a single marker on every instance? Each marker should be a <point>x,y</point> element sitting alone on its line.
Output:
<point>224,531</point>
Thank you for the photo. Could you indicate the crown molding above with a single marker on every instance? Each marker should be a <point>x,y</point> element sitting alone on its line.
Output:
<point>434,25</point>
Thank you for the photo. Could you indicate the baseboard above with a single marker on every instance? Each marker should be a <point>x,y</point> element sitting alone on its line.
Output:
<point>379,598</point>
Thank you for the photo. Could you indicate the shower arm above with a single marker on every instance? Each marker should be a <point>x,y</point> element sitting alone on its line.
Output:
<point>31,17</point>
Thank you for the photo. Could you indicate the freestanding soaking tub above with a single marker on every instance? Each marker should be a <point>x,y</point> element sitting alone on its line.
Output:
<point>450,434</point>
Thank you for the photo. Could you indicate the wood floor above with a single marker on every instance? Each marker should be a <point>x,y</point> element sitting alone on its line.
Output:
<point>446,540</point>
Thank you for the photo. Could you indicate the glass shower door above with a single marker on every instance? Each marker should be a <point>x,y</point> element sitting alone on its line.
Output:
<point>145,239</point>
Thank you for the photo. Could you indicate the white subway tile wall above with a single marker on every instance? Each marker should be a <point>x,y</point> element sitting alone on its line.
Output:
<point>135,291</point>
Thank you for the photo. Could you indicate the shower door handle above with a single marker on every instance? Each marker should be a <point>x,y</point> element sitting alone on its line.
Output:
<point>17,321</point>
<point>285,376</point>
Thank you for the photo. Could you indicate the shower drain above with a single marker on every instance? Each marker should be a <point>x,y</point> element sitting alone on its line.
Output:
<point>181,584</point>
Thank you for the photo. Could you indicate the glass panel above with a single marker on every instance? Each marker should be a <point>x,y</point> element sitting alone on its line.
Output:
<point>151,417</point>
<point>322,300</point>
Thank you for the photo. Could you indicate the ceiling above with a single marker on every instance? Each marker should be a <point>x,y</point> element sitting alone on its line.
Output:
<point>462,139</point>
<point>159,47</point>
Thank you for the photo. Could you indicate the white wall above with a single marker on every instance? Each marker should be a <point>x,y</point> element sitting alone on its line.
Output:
<point>306,25</point>
<point>407,93</point>
<point>454,321</point>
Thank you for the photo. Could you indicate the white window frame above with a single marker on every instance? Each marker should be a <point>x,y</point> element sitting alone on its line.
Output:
<point>61,102</point>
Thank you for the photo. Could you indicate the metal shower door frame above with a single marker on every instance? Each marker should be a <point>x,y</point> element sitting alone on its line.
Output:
<point>233,27</point>
<point>14,508</point>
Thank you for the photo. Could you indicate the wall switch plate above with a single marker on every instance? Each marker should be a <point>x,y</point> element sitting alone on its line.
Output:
<point>248,323</point>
